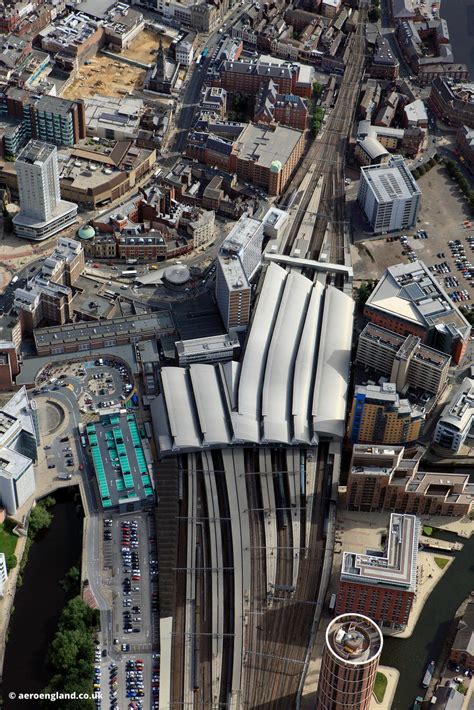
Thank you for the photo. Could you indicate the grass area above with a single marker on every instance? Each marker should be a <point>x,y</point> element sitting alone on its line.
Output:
<point>441,561</point>
<point>427,530</point>
<point>380,686</point>
<point>7,539</point>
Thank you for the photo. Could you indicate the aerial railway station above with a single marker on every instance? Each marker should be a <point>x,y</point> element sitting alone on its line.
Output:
<point>256,443</point>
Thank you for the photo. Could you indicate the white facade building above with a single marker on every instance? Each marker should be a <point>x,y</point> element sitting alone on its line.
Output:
<point>389,196</point>
<point>43,212</point>
<point>457,418</point>
<point>18,447</point>
<point>244,242</point>
<point>214,348</point>
<point>184,53</point>
<point>3,573</point>
<point>238,259</point>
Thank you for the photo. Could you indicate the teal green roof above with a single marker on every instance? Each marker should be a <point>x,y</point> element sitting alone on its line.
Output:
<point>86,232</point>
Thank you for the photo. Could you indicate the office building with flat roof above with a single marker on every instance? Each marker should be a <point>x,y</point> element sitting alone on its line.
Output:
<point>380,416</point>
<point>214,348</point>
<point>409,301</point>
<point>389,196</point>
<point>457,418</point>
<point>381,477</point>
<point>265,155</point>
<point>382,585</point>
<point>43,212</point>
<point>405,360</point>
<point>349,663</point>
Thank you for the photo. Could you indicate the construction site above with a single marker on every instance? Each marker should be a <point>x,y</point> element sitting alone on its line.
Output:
<point>112,77</point>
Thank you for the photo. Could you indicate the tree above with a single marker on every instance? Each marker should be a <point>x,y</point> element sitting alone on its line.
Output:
<point>7,221</point>
<point>317,88</point>
<point>374,14</point>
<point>40,519</point>
<point>11,561</point>
<point>72,580</point>
<point>76,614</point>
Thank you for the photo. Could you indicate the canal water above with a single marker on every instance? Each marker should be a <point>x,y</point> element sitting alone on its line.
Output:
<point>40,599</point>
<point>411,656</point>
<point>459,15</point>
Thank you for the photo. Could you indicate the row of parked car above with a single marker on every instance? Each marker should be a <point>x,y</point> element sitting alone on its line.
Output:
<point>134,683</point>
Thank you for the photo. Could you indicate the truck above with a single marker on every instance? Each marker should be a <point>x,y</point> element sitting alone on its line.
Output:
<point>64,476</point>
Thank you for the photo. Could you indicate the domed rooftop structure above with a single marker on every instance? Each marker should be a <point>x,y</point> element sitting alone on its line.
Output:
<point>86,232</point>
<point>177,274</point>
<point>276,166</point>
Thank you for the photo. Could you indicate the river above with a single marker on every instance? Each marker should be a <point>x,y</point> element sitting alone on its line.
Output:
<point>40,600</point>
<point>411,656</point>
<point>459,15</point>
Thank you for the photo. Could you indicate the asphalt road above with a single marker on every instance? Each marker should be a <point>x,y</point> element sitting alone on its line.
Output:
<point>190,99</point>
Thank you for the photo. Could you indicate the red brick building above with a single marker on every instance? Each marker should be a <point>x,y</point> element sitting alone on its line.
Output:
<point>263,155</point>
<point>273,107</point>
<point>382,587</point>
<point>407,300</point>
<point>246,77</point>
<point>462,651</point>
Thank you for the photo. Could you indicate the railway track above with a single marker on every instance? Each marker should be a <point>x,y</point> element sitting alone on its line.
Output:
<point>275,652</point>
<point>326,157</point>
<point>179,639</point>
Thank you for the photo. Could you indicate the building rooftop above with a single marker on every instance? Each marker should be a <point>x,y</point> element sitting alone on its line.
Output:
<point>396,566</point>
<point>207,345</point>
<point>104,112</point>
<point>36,152</point>
<point>265,146</point>
<point>392,181</point>
<point>460,409</point>
<point>354,639</point>
<point>416,111</point>
<point>123,472</point>
<point>159,321</point>
<point>298,328</point>
<point>409,291</point>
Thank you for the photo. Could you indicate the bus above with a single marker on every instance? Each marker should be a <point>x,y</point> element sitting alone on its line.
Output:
<point>129,273</point>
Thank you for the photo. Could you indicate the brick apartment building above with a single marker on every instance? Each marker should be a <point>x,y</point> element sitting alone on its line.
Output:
<point>382,586</point>
<point>382,478</point>
<point>379,415</point>
<point>453,102</point>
